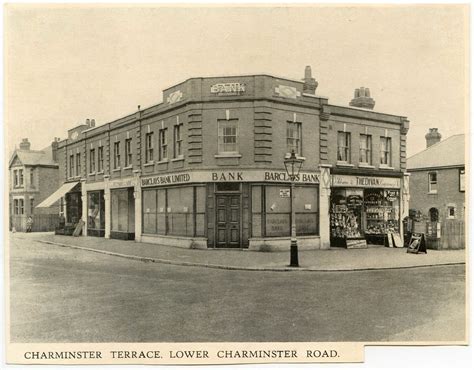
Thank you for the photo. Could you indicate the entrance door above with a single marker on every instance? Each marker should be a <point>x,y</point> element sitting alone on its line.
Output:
<point>228,221</point>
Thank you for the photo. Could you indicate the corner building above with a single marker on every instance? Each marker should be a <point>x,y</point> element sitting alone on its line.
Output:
<point>204,169</point>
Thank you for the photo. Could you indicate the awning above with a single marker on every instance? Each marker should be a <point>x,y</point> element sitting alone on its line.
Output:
<point>53,198</point>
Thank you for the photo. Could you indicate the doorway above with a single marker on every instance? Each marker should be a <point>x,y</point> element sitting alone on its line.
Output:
<point>228,220</point>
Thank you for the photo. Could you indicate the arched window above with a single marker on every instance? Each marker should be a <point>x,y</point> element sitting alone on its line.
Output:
<point>434,215</point>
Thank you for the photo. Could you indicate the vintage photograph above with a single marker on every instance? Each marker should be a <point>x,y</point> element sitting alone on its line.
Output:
<point>220,175</point>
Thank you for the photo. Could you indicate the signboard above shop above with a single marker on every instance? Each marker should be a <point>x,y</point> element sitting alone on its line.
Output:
<point>365,182</point>
<point>229,176</point>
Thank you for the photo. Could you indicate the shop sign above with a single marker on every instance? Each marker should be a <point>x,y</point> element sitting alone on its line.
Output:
<point>229,88</point>
<point>365,181</point>
<point>122,183</point>
<point>228,176</point>
<point>392,195</point>
<point>284,193</point>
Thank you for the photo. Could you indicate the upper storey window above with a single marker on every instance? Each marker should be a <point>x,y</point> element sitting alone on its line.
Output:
<point>365,150</point>
<point>128,153</point>
<point>228,137</point>
<point>343,146</point>
<point>163,144</point>
<point>293,137</point>
<point>385,151</point>
<point>78,164</point>
<point>178,140</point>
<point>117,155</point>
<point>149,147</point>
<point>71,165</point>
<point>100,158</point>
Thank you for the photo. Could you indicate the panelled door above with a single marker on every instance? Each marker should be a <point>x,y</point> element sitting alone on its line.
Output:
<point>228,221</point>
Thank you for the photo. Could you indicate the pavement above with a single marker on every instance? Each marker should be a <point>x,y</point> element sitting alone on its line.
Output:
<point>334,259</point>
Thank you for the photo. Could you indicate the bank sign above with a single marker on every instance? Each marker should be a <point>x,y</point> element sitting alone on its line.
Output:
<point>365,182</point>
<point>228,176</point>
<point>229,88</point>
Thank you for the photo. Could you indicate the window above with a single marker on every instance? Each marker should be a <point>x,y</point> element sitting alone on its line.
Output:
<point>293,137</point>
<point>163,145</point>
<point>92,161</point>
<point>32,178</point>
<point>100,159</point>
<point>15,178</point>
<point>149,147</point>
<point>15,206</point>
<point>227,137</point>
<point>32,205</point>
<point>20,172</point>
<point>344,146</point>
<point>78,164</point>
<point>71,165</point>
<point>432,182</point>
<point>128,152</point>
<point>462,173</point>
<point>178,140</point>
<point>451,212</point>
<point>365,150</point>
<point>434,214</point>
<point>385,151</point>
<point>21,206</point>
<point>117,155</point>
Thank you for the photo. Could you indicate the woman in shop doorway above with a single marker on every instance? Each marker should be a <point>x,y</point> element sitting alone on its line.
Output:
<point>29,224</point>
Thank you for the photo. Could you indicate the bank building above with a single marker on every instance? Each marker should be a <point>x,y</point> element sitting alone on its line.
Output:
<point>205,168</point>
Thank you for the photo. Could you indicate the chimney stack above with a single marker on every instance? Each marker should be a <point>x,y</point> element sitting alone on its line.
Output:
<point>88,122</point>
<point>362,99</point>
<point>310,84</point>
<point>25,144</point>
<point>54,149</point>
<point>92,122</point>
<point>432,137</point>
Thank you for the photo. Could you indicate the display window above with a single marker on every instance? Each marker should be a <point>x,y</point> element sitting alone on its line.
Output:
<point>382,207</point>
<point>73,207</point>
<point>346,213</point>
<point>96,213</point>
<point>123,210</point>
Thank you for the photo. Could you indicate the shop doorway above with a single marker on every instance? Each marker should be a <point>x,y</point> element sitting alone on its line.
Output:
<point>228,220</point>
<point>122,204</point>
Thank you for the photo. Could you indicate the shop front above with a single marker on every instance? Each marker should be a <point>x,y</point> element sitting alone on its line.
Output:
<point>95,213</point>
<point>228,209</point>
<point>363,208</point>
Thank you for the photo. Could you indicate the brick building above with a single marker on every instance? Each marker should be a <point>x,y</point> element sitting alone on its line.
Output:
<point>33,177</point>
<point>204,168</point>
<point>437,178</point>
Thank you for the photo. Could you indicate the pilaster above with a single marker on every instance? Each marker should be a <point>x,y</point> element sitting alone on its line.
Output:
<point>324,201</point>
<point>84,206</point>
<point>107,207</point>
<point>137,194</point>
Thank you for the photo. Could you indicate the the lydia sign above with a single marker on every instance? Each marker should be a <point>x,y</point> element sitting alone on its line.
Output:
<point>229,88</point>
<point>228,176</point>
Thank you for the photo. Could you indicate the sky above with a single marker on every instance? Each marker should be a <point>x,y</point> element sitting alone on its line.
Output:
<point>64,64</point>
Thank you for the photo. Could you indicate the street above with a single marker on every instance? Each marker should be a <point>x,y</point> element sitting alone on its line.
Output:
<point>67,295</point>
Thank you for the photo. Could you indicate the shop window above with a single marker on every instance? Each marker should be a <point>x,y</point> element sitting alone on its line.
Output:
<point>149,211</point>
<point>20,174</point>
<point>228,136</point>
<point>462,173</point>
<point>149,147</point>
<point>178,140</point>
<point>451,212</point>
<point>432,182</point>
<point>32,178</point>
<point>163,144</point>
<point>123,210</point>
<point>96,213</point>
<point>293,137</point>
<point>78,164</point>
<point>382,211</point>
<point>71,165</point>
<point>346,213</point>
<point>92,161</point>
<point>73,207</point>
<point>385,151</point>
<point>344,146</point>
<point>180,211</point>
<point>117,155</point>
<point>434,215</point>
<point>365,150</point>
<point>100,159</point>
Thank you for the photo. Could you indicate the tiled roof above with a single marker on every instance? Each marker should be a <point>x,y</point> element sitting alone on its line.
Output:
<point>449,152</point>
<point>34,157</point>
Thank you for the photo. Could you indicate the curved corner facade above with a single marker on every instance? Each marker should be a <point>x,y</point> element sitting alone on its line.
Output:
<point>204,169</point>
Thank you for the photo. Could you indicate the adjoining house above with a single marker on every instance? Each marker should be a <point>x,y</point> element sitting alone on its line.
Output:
<point>437,186</point>
<point>205,168</point>
<point>33,177</point>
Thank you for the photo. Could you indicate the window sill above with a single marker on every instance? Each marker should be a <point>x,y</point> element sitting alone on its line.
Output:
<point>228,155</point>
<point>433,192</point>
<point>180,158</point>
<point>117,169</point>
<point>363,165</point>
<point>382,167</point>
<point>288,155</point>
<point>162,161</point>
<point>128,168</point>
<point>100,173</point>
<point>344,164</point>
<point>149,164</point>
<point>92,174</point>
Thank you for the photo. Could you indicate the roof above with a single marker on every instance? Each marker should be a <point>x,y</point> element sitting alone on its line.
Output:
<point>446,153</point>
<point>34,157</point>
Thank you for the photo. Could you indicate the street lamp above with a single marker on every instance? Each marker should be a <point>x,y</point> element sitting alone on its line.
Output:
<point>293,166</point>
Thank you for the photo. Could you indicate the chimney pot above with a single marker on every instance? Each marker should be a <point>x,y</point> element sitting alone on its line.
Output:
<point>362,99</point>
<point>92,122</point>
<point>432,137</point>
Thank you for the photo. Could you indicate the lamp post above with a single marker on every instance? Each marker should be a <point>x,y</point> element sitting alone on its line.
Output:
<point>293,166</point>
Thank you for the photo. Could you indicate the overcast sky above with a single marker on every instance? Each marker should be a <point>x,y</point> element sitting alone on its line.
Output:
<point>66,64</point>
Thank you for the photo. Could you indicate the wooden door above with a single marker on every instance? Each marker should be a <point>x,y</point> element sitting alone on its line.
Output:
<point>228,221</point>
